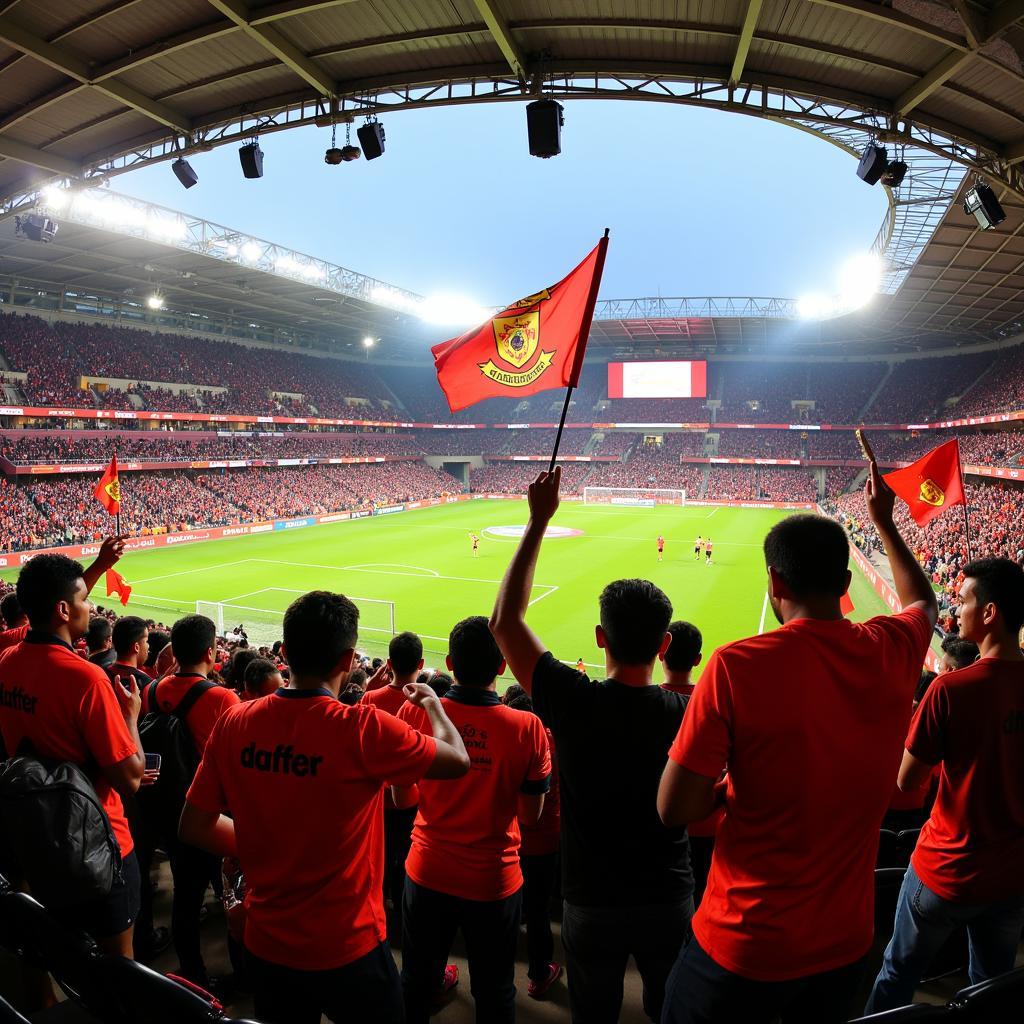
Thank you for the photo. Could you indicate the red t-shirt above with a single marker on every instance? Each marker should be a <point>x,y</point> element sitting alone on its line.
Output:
<point>13,637</point>
<point>972,847</point>
<point>387,698</point>
<point>303,776</point>
<point>543,838</point>
<point>465,841</point>
<point>809,720</point>
<point>66,708</point>
<point>686,689</point>
<point>204,713</point>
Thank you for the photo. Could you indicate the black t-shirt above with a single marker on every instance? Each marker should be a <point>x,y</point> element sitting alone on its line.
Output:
<point>124,671</point>
<point>612,744</point>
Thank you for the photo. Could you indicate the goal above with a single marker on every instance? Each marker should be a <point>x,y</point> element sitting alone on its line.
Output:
<point>642,496</point>
<point>265,625</point>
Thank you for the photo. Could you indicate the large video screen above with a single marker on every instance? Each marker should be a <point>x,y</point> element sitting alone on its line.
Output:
<point>676,379</point>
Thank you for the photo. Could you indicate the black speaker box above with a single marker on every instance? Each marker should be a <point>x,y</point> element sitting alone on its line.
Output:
<point>544,122</point>
<point>184,173</point>
<point>251,157</point>
<point>872,164</point>
<point>371,139</point>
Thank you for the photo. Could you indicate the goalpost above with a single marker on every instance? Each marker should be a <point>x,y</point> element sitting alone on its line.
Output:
<point>642,496</point>
<point>265,625</point>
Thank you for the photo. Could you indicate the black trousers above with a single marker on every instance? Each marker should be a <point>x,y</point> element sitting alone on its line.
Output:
<point>367,989</point>
<point>538,885</point>
<point>701,991</point>
<point>701,849</point>
<point>397,840</point>
<point>599,940</point>
<point>193,871</point>
<point>491,930</point>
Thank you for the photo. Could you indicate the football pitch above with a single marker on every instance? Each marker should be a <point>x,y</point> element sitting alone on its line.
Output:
<point>422,563</point>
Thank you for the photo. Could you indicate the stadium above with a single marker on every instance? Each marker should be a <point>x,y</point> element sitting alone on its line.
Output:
<point>279,428</point>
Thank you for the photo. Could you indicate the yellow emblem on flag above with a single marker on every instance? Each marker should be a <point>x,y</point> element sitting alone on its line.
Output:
<point>113,490</point>
<point>931,493</point>
<point>517,337</point>
<point>531,300</point>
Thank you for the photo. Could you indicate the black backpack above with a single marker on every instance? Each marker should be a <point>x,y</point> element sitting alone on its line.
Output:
<point>167,734</point>
<point>55,834</point>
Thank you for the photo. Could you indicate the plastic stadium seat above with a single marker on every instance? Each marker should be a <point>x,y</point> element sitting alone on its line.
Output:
<point>991,1002</point>
<point>911,1014</point>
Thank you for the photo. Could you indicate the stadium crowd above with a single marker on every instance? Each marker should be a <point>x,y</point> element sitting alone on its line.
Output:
<point>687,819</point>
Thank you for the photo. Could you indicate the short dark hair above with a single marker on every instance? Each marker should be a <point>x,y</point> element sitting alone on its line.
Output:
<point>158,640</point>
<point>961,652</point>
<point>319,628</point>
<point>256,673</point>
<point>516,697</point>
<point>634,616</point>
<point>357,677</point>
<point>98,633</point>
<point>127,632</point>
<point>514,692</point>
<point>685,648</point>
<point>10,609</point>
<point>927,678</point>
<point>191,638</point>
<point>405,652</point>
<point>440,683</point>
<point>810,553</point>
<point>241,658</point>
<point>43,582</point>
<point>1000,582</point>
<point>475,654</point>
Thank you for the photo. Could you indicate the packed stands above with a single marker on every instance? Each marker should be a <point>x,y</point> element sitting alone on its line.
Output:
<point>917,390</point>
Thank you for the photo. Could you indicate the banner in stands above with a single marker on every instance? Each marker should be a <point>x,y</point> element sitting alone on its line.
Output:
<point>13,469</point>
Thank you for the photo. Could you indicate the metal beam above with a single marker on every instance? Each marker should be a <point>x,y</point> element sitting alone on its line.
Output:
<point>499,29</point>
<point>12,150</point>
<point>974,26</point>
<point>273,41</point>
<point>289,8</point>
<point>74,67</point>
<point>928,83</point>
<point>1003,16</point>
<point>746,36</point>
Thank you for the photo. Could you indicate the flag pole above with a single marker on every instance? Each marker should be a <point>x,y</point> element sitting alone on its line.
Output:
<point>963,490</point>
<point>581,344</point>
<point>117,517</point>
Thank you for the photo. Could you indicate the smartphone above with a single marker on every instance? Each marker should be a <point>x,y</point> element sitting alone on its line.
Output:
<point>153,762</point>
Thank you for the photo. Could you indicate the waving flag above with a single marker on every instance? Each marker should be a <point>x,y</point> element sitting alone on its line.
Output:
<point>108,490</point>
<point>117,584</point>
<point>932,484</point>
<point>532,345</point>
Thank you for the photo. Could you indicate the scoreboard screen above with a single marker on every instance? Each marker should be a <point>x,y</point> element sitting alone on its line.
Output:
<point>665,379</point>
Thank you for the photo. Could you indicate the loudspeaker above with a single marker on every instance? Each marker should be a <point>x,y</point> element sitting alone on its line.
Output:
<point>251,157</point>
<point>371,138</point>
<point>872,164</point>
<point>184,173</point>
<point>981,203</point>
<point>544,122</point>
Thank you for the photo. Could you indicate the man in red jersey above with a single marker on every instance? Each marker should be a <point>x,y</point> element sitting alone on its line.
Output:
<point>405,659</point>
<point>302,776</point>
<point>463,869</point>
<point>55,704</point>
<point>260,679</point>
<point>661,547</point>
<point>786,918</point>
<point>194,643</point>
<point>682,657</point>
<point>966,868</point>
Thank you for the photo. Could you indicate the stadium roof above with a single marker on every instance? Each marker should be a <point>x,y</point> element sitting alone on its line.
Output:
<point>93,88</point>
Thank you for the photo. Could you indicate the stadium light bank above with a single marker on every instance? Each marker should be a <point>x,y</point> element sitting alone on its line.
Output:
<point>859,281</point>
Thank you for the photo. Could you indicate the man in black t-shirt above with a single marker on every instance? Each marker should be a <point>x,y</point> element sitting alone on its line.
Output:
<point>626,878</point>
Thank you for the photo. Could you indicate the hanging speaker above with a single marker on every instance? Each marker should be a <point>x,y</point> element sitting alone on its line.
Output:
<point>184,173</point>
<point>872,164</point>
<point>251,158</point>
<point>371,139</point>
<point>544,122</point>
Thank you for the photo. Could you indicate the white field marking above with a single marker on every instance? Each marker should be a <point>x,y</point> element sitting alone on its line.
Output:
<point>186,572</point>
<point>764,609</point>
<point>249,593</point>
<point>381,572</point>
<point>400,565</point>
<point>540,597</point>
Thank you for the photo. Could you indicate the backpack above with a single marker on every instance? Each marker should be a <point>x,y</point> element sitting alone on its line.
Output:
<point>54,833</point>
<point>167,734</point>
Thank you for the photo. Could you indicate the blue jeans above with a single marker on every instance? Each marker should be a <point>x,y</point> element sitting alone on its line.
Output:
<point>701,991</point>
<point>923,923</point>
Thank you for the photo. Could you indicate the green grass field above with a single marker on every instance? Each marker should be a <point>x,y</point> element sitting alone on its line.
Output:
<point>422,562</point>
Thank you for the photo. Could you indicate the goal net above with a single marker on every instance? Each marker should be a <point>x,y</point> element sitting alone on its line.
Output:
<point>265,625</point>
<point>642,496</point>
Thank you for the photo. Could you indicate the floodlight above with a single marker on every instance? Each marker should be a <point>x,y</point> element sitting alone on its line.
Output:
<point>36,227</point>
<point>859,280</point>
<point>981,203</point>
<point>814,307</point>
<point>155,301</point>
<point>369,342</point>
<point>184,173</point>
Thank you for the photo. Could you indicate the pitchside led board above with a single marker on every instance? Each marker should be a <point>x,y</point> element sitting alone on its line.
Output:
<point>665,379</point>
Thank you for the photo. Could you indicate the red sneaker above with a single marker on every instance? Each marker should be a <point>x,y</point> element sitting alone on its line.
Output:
<point>449,980</point>
<point>538,989</point>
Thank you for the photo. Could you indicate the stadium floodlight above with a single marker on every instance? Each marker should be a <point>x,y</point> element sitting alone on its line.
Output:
<point>56,197</point>
<point>155,301</point>
<point>814,307</point>
<point>981,203</point>
<point>451,311</point>
<point>184,173</point>
<point>36,227</point>
<point>859,281</point>
<point>251,252</point>
<point>369,342</point>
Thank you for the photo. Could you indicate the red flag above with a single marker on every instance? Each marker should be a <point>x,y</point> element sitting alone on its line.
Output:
<point>535,344</point>
<point>846,604</point>
<point>108,490</point>
<point>117,584</point>
<point>932,484</point>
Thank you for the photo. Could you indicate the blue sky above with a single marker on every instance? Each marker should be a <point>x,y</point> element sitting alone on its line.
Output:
<point>699,202</point>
